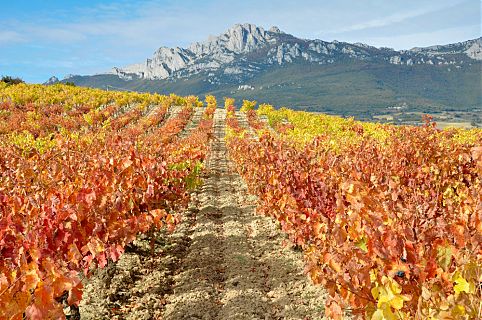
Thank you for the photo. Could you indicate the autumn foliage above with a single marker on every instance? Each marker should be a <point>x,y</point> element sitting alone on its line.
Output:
<point>390,218</point>
<point>82,173</point>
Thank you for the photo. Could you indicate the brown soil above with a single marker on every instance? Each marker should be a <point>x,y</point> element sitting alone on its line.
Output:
<point>223,261</point>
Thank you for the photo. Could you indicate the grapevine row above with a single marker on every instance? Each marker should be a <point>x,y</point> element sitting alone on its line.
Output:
<point>77,203</point>
<point>391,225</point>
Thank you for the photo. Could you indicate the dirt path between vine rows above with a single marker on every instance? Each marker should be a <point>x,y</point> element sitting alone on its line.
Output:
<point>224,261</point>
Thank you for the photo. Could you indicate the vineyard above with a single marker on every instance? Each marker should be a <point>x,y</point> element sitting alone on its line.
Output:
<point>390,218</point>
<point>386,220</point>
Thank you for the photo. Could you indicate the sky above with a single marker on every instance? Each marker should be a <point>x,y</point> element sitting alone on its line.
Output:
<point>42,38</point>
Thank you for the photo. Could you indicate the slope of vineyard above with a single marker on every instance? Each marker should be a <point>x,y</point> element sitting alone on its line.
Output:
<point>222,261</point>
<point>133,288</point>
<point>390,218</point>
<point>83,172</point>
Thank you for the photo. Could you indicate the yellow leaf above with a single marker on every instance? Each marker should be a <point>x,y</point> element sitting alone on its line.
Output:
<point>397,301</point>
<point>378,315</point>
<point>375,292</point>
<point>461,285</point>
<point>458,310</point>
<point>389,295</point>
<point>384,314</point>
<point>362,244</point>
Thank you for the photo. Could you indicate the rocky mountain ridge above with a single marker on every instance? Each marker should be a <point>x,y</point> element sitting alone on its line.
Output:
<point>271,66</point>
<point>247,48</point>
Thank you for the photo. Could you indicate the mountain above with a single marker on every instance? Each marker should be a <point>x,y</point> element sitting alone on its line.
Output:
<point>51,80</point>
<point>250,62</point>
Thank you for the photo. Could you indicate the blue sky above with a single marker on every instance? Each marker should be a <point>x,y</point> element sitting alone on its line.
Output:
<point>39,39</point>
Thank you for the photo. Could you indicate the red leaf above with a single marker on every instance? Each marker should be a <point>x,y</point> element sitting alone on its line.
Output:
<point>101,259</point>
<point>75,295</point>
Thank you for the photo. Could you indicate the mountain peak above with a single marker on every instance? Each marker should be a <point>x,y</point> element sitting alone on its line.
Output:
<point>246,25</point>
<point>51,80</point>
<point>241,38</point>
<point>275,29</point>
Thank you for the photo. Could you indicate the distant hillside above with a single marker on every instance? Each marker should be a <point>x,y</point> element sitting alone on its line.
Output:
<point>248,62</point>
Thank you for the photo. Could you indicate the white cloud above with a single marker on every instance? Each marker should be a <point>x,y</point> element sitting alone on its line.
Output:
<point>382,22</point>
<point>142,27</point>
<point>8,37</point>
<point>401,16</point>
